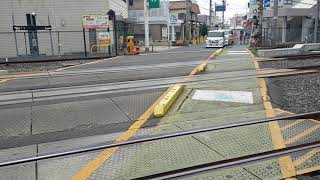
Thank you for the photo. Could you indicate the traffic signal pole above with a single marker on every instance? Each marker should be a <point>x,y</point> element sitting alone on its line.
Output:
<point>146,26</point>
<point>316,24</point>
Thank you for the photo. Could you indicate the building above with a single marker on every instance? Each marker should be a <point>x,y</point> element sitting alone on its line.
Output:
<point>295,22</point>
<point>158,20</point>
<point>187,13</point>
<point>237,21</point>
<point>66,36</point>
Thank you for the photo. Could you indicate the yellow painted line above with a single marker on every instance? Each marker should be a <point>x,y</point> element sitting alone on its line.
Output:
<point>292,124</point>
<point>93,165</point>
<point>102,157</point>
<point>305,157</point>
<point>308,170</point>
<point>166,102</point>
<point>303,134</point>
<point>285,163</point>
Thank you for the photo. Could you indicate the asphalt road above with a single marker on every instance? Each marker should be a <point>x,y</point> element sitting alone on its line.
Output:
<point>175,62</point>
<point>96,98</point>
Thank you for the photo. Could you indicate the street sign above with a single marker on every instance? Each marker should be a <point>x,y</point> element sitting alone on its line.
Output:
<point>174,18</point>
<point>154,3</point>
<point>266,3</point>
<point>103,38</point>
<point>95,21</point>
<point>31,28</point>
<point>221,8</point>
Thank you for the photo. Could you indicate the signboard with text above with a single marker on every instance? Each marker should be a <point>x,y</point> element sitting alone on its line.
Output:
<point>154,3</point>
<point>220,8</point>
<point>95,21</point>
<point>266,3</point>
<point>103,38</point>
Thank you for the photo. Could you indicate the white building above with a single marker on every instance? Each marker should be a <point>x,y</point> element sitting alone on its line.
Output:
<point>65,19</point>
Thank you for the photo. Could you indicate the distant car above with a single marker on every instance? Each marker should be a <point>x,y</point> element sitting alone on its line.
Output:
<point>229,38</point>
<point>215,38</point>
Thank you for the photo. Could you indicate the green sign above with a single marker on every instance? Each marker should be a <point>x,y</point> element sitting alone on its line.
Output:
<point>154,3</point>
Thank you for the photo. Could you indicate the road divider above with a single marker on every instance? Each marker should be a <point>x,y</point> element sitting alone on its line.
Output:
<point>164,105</point>
<point>217,53</point>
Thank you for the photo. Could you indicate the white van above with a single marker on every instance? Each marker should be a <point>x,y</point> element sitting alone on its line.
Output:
<point>215,38</point>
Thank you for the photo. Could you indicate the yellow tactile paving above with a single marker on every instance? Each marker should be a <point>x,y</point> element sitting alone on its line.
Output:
<point>305,157</point>
<point>285,163</point>
<point>302,134</point>
<point>292,124</point>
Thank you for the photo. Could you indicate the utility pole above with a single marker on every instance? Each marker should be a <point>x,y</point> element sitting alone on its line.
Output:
<point>260,26</point>
<point>223,2</point>
<point>146,26</point>
<point>275,18</point>
<point>316,23</point>
<point>210,15</point>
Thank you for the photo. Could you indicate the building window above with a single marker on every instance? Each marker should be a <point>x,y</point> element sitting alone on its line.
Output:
<point>130,2</point>
<point>181,16</point>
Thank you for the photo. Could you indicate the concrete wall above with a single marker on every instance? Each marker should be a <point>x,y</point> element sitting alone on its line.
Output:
<point>64,16</point>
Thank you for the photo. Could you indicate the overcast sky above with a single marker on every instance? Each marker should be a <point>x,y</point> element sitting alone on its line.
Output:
<point>233,7</point>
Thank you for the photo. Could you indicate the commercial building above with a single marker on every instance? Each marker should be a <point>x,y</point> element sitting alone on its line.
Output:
<point>187,13</point>
<point>64,17</point>
<point>158,20</point>
<point>295,22</point>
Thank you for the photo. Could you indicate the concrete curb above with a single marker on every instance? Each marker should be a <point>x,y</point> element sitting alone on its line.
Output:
<point>203,66</point>
<point>217,53</point>
<point>164,105</point>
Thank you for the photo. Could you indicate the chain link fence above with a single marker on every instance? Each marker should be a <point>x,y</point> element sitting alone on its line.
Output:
<point>56,44</point>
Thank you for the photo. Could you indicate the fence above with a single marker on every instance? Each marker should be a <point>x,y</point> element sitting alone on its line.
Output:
<point>292,36</point>
<point>62,44</point>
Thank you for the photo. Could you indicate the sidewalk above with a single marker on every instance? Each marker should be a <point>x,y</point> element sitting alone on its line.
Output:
<point>188,113</point>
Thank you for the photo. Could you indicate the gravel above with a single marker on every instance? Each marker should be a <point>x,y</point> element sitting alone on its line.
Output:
<point>297,94</point>
<point>285,64</point>
<point>43,66</point>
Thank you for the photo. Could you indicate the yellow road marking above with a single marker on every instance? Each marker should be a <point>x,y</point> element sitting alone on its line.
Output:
<point>305,157</point>
<point>308,170</point>
<point>285,163</point>
<point>103,156</point>
<point>303,134</point>
<point>292,124</point>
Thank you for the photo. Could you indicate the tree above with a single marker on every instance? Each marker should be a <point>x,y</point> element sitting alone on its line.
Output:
<point>204,30</point>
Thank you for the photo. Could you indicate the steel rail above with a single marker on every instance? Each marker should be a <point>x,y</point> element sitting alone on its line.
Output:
<point>154,138</point>
<point>229,163</point>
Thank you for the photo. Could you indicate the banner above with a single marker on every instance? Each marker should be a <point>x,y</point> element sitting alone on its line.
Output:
<point>154,3</point>
<point>103,38</point>
<point>266,3</point>
<point>95,21</point>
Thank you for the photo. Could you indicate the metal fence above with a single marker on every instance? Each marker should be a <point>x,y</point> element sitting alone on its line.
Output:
<point>288,36</point>
<point>54,43</point>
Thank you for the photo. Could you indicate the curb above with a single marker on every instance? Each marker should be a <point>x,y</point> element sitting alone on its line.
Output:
<point>164,105</point>
<point>217,53</point>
